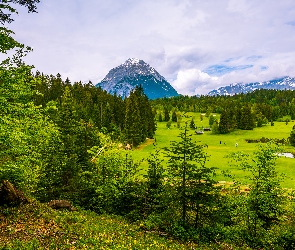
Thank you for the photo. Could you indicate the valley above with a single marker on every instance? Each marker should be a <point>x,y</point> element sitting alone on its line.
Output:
<point>221,145</point>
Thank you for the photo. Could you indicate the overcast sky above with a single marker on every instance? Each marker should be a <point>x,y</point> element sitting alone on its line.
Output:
<point>197,45</point>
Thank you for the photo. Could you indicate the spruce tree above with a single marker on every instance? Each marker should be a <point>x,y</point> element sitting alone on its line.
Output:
<point>174,117</point>
<point>166,115</point>
<point>192,180</point>
<point>224,123</point>
<point>247,121</point>
<point>192,124</point>
<point>133,126</point>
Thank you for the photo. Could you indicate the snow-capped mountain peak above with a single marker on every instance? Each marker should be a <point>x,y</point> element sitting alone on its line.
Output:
<point>236,88</point>
<point>123,78</point>
<point>132,60</point>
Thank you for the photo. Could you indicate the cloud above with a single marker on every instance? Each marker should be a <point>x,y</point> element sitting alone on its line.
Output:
<point>193,82</point>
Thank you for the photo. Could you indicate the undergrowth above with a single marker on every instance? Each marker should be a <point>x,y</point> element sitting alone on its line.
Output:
<point>36,226</point>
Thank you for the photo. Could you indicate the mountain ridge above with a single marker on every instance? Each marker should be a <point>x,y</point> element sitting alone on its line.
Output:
<point>134,72</point>
<point>237,88</point>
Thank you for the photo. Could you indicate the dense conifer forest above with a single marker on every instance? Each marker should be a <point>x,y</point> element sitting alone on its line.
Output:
<point>63,140</point>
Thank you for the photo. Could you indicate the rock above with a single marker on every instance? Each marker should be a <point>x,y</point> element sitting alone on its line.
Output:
<point>61,204</point>
<point>10,196</point>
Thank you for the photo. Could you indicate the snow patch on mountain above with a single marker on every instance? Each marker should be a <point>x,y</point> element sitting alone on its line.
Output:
<point>133,72</point>
<point>236,88</point>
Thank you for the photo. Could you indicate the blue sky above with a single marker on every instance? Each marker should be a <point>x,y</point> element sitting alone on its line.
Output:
<point>196,45</point>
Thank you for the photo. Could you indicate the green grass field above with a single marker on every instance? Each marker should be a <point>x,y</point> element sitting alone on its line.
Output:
<point>218,151</point>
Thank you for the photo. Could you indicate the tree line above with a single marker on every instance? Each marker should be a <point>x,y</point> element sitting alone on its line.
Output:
<point>240,111</point>
<point>130,119</point>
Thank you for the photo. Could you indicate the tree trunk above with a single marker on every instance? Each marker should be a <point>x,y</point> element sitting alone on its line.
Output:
<point>9,195</point>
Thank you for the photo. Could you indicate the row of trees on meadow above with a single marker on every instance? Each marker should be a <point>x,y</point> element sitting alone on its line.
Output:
<point>271,104</point>
<point>242,111</point>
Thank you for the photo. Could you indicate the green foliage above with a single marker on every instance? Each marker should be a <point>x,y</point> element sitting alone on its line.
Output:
<point>36,226</point>
<point>160,119</point>
<point>139,118</point>
<point>192,124</point>
<point>111,184</point>
<point>155,201</point>
<point>51,148</point>
<point>166,115</point>
<point>212,120</point>
<point>264,203</point>
<point>25,133</point>
<point>247,118</point>
<point>201,117</point>
<point>192,180</point>
<point>208,112</point>
<point>225,125</point>
<point>215,128</point>
<point>168,124</point>
<point>292,137</point>
<point>174,117</point>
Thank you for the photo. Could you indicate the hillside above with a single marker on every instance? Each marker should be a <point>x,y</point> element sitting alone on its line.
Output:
<point>36,226</point>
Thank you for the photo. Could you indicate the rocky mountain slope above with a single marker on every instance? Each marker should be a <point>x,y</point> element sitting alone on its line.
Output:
<point>280,84</point>
<point>122,79</point>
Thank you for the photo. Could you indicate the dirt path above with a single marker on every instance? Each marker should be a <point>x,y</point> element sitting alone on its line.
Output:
<point>146,143</point>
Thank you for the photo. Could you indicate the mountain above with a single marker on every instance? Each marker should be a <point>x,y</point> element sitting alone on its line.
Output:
<point>122,79</point>
<point>236,88</point>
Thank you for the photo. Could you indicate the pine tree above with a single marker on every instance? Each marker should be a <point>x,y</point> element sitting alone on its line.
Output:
<point>133,126</point>
<point>193,181</point>
<point>68,127</point>
<point>224,123</point>
<point>166,115</point>
<point>174,117</point>
<point>192,124</point>
<point>265,199</point>
<point>247,118</point>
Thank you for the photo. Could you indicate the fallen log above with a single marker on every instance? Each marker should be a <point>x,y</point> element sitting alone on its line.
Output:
<point>61,204</point>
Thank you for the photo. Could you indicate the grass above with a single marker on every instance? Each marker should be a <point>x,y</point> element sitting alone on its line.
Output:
<point>36,226</point>
<point>221,145</point>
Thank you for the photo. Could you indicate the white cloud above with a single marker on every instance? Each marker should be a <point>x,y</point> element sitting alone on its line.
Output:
<point>193,81</point>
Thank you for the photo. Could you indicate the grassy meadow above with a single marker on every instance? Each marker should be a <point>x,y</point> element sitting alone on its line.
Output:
<point>221,145</point>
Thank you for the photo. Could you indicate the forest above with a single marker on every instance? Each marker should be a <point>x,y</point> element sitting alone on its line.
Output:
<point>68,141</point>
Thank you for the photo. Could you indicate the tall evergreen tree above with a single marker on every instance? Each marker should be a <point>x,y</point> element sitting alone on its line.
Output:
<point>133,128</point>
<point>174,116</point>
<point>166,115</point>
<point>225,122</point>
<point>193,181</point>
<point>192,124</point>
<point>247,121</point>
